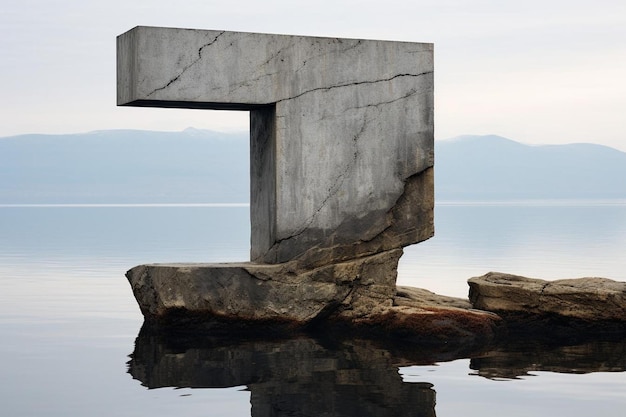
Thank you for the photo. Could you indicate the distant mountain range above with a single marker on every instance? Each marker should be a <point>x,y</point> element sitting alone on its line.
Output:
<point>200,166</point>
<point>496,168</point>
<point>125,166</point>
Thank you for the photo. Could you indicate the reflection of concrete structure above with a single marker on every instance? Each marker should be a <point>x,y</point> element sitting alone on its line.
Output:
<point>340,377</point>
<point>341,131</point>
<point>292,377</point>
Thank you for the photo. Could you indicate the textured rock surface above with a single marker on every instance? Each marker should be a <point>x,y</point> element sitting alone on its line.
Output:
<point>427,324</point>
<point>418,297</point>
<point>341,131</point>
<point>280,293</point>
<point>588,299</point>
<point>358,296</point>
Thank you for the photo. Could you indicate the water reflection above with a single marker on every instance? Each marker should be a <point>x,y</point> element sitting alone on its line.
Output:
<point>521,358</point>
<point>320,376</point>
<point>300,376</point>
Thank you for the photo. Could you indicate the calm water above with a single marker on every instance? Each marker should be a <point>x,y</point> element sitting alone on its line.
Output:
<point>68,321</point>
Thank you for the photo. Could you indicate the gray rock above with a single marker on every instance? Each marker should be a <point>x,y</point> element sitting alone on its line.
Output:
<point>588,299</point>
<point>419,297</point>
<point>358,295</point>
<point>254,292</point>
<point>428,324</point>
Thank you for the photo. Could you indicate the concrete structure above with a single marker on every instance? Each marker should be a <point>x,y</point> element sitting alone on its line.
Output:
<point>341,142</point>
<point>341,131</point>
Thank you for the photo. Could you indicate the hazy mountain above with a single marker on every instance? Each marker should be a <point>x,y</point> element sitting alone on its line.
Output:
<point>125,166</point>
<point>129,166</point>
<point>493,167</point>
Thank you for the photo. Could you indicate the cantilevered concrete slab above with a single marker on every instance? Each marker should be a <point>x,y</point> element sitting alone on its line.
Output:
<point>341,131</point>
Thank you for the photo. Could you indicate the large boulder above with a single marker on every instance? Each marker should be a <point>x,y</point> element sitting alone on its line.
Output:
<point>275,292</point>
<point>357,296</point>
<point>591,300</point>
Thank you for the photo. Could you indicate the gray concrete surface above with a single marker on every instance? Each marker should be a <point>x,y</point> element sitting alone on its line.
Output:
<point>341,131</point>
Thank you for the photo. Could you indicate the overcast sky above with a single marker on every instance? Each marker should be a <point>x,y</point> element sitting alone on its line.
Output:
<point>548,71</point>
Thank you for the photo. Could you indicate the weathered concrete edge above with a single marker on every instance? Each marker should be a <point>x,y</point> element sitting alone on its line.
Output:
<point>410,220</point>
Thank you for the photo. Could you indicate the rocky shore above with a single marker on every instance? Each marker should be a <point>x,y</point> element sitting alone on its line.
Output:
<point>566,308</point>
<point>252,298</point>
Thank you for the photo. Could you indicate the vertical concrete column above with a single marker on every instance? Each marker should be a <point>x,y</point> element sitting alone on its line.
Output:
<point>262,179</point>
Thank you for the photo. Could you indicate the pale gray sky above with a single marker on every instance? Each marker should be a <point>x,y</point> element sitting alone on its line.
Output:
<point>548,71</point>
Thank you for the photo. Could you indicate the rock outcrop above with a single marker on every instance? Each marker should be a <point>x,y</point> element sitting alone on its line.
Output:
<point>357,296</point>
<point>566,305</point>
<point>269,292</point>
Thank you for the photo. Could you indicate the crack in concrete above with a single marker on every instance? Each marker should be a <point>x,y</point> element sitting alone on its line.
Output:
<point>275,55</point>
<point>334,188</point>
<point>411,92</point>
<point>186,68</point>
<point>352,84</point>
<point>338,182</point>
<point>341,177</point>
<point>420,51</point>
<point>249,83</point>
<point>338,51</point>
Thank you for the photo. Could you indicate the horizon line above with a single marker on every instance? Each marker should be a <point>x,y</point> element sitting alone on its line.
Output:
<point>88,205</point>
<point>538,202</point>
